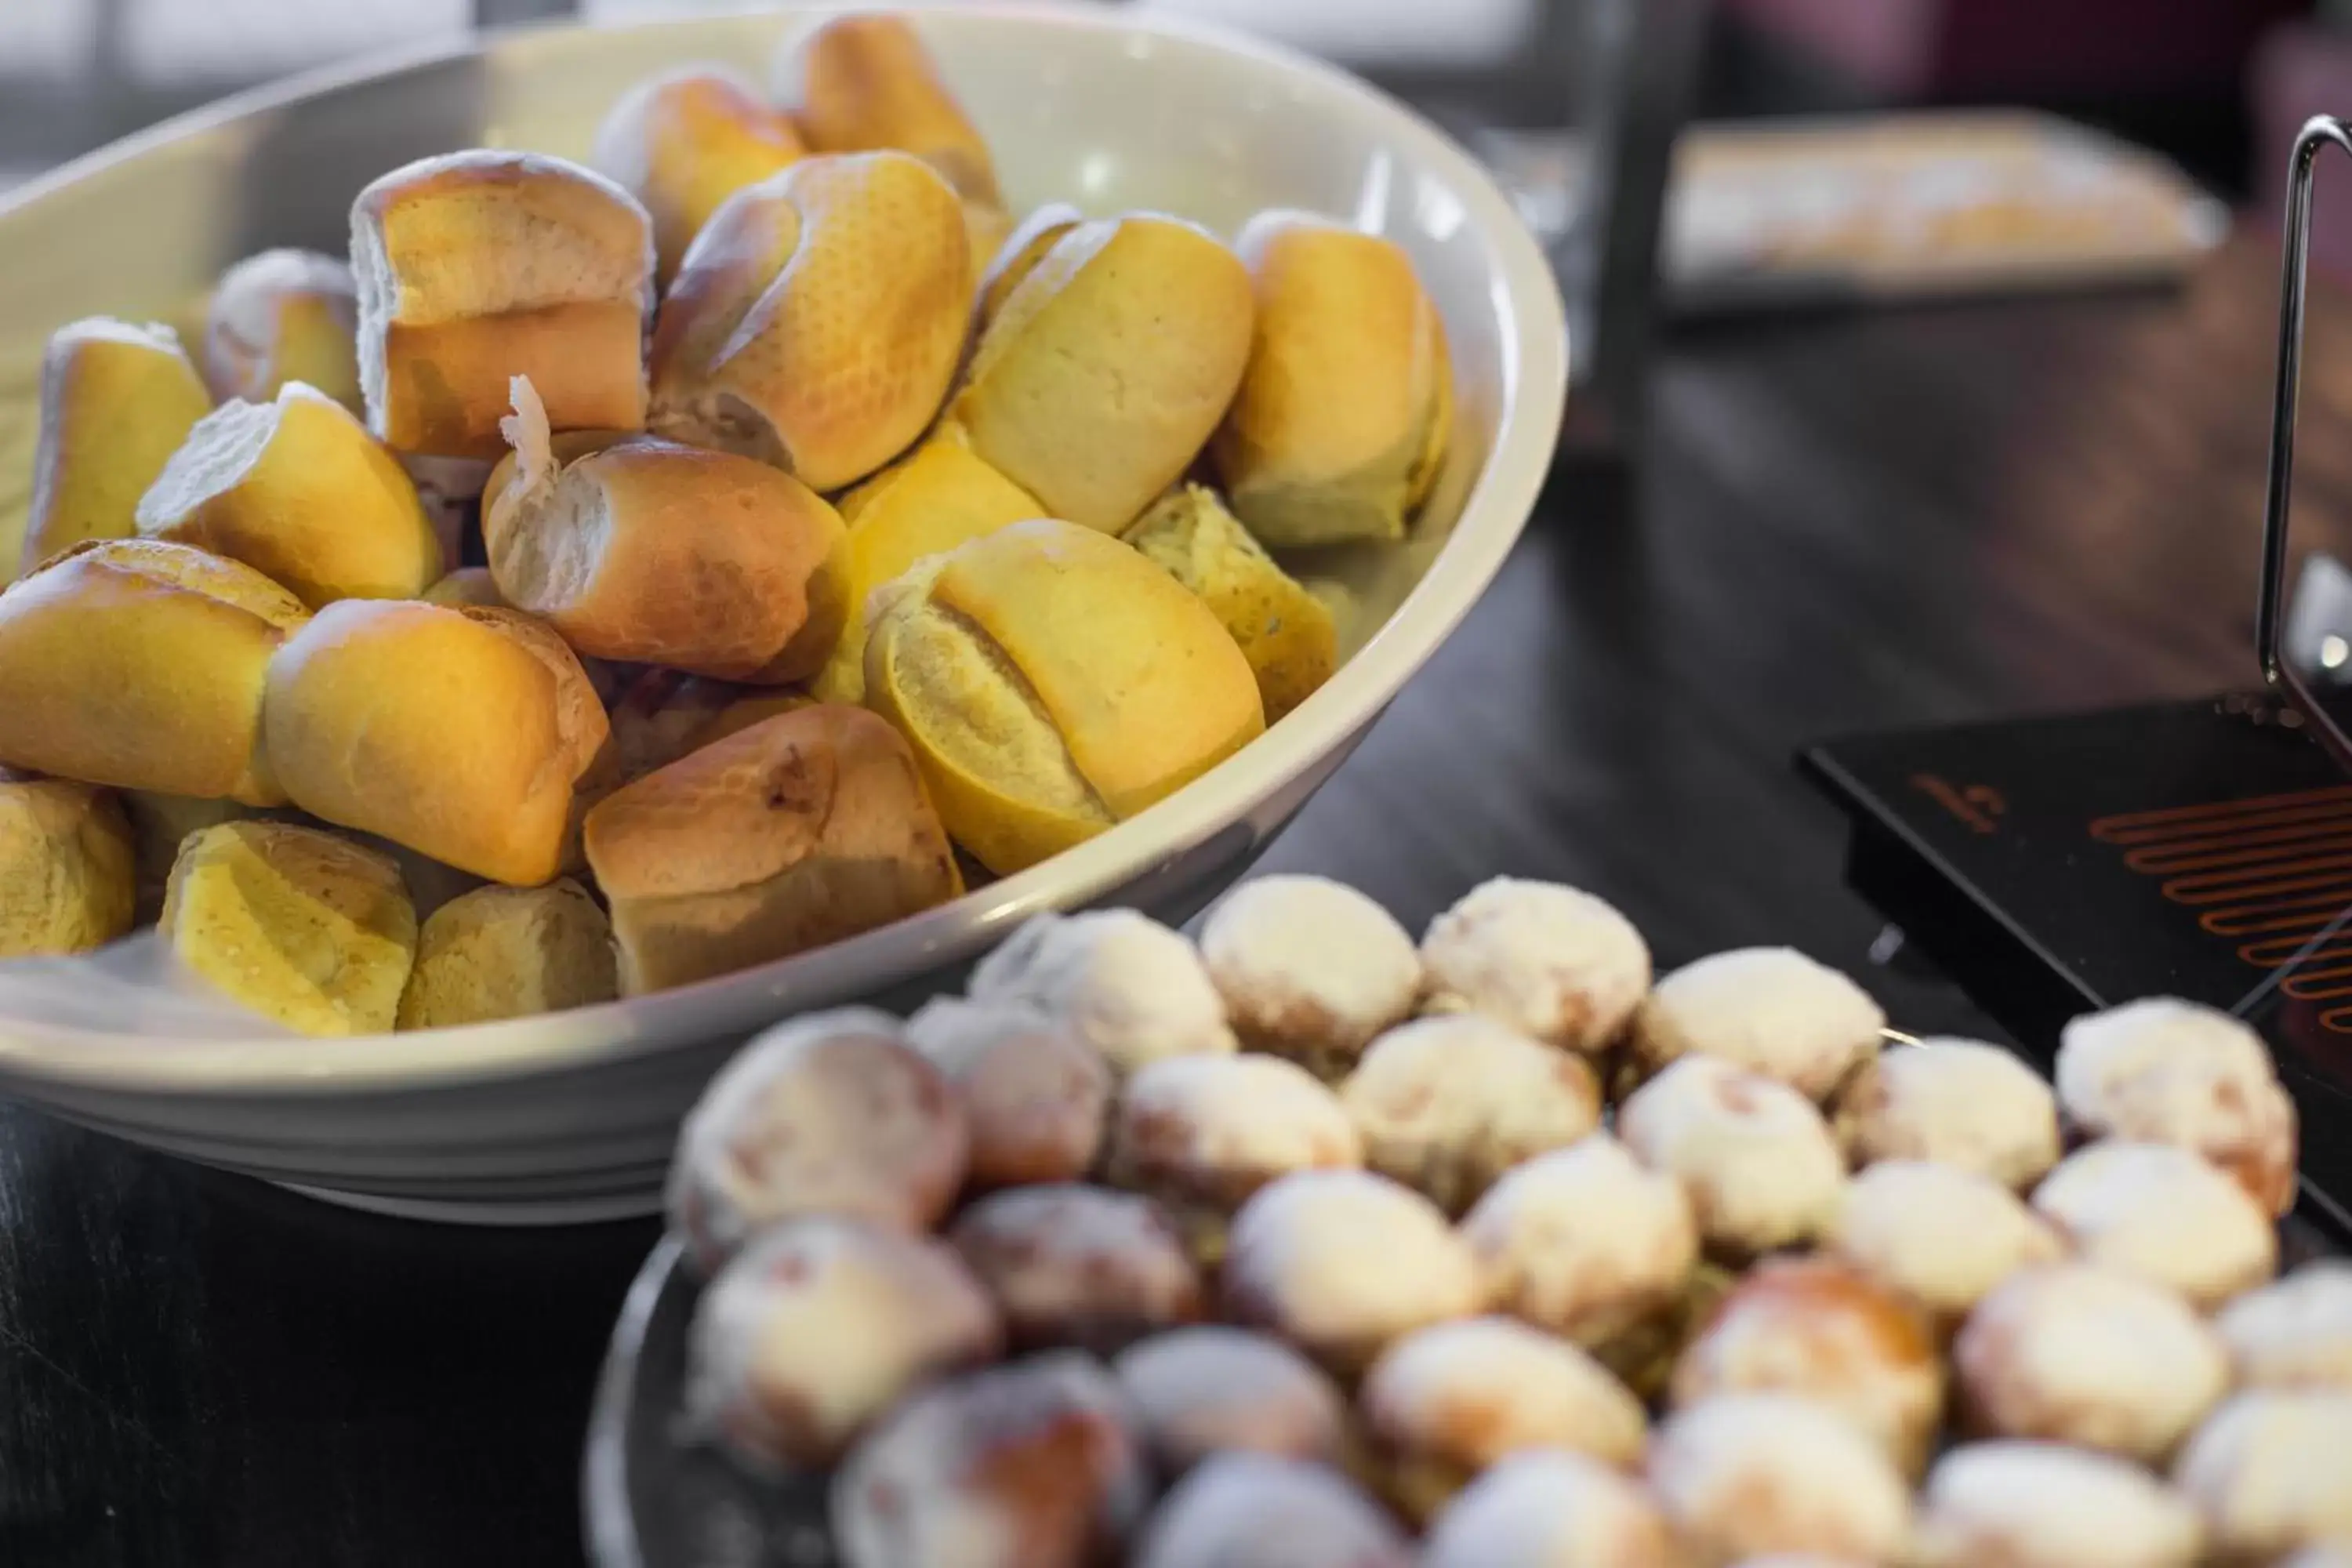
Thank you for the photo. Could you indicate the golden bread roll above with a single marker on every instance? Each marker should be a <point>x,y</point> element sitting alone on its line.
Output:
<point>466,585</point>
<point>1053,681</point>
<point>1283,630</point>
<point>664,714</point>
<point>1018,256</point>
<point>685,142</point>
<point>476,266</point>
<point>817,318</point>
<point>116,401</point>
<point>933,499</point>
<point>284,316</point>
<point>299,491</point>
<point>140,664</point>
<point>1103,373</point>
<point>867,82</point>
<point>65,867</point>
<point>563,445</point>
<point>304,928</point>
<point>509,952</point>
<point>458,732</point>
<point>1341,422</point>
<point>802,830</point>
<point>663,554</point>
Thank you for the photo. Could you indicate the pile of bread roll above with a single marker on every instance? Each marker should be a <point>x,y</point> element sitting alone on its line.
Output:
<point>1313,1246</point>
<point>831,523</point>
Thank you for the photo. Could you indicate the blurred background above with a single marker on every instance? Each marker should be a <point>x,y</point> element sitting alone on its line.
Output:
<point>2216,84</point>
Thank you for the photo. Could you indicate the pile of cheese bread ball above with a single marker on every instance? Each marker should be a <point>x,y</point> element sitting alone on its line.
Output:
<point>1310,1247</point>
<point>841,540</point>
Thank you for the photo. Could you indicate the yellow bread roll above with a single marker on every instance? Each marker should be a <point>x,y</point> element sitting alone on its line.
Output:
<point>931,501</point>
<point>305,928</point>
<point>1018,256</point>
<point>685,142</point>
<point>1053,681</point>
<point>1341,422</point>
<point>116,400</point>
<point>802,830</point>
<point>866,82</point>
<point>1283,630</point>
<point>1105,370</point>
<point>299,491</point>
<point>283,316</point>
<point>140,664</point>
<point>665,713</point>
<point>817,318</point>
<point>659,553</point>
<point>509,952</point>
<point>476,266</point>
<point>458,732</point>
<point>65,867</point>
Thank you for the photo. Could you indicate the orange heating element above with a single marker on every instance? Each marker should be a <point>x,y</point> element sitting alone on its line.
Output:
<point>2272,873</point>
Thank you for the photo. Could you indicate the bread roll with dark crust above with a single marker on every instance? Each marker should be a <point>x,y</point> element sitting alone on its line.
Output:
<point>1103,373</point>
<point>1342,419</point>
<point>284,316</point>
<point>66,876</point>
<point>802,830</point>
<point>140,664</point>
<point>116,400</point>
<point>816,320</point>
<point>683,141</point>
<point>458,732</point>
<point>657,552</point>
<point>476,266</point>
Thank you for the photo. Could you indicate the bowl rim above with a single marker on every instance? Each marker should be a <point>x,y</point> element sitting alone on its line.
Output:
<point>1532,350</point>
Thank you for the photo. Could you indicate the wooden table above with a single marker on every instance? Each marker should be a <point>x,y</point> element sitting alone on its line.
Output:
<point>1849,521</point>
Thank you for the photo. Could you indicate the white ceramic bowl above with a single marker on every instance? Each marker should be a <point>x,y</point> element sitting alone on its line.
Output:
<point>572,1115</point>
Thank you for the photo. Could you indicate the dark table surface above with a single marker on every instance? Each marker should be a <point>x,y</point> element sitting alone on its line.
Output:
<point>1843,522</point>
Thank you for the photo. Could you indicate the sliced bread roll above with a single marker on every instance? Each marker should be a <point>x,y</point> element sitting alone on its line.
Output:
<point>1105,370</point>
<point>305,928</point>
<point>65,867</point>
<point>299,491</point>
<point>1342,419</point>
<point>802,830</point>
<point>476,266</point>
<point>458,732</point>
<point>138,663</point>
<point>116,400</point>
<point>684,142</point>
<point>279,317</point>
<point>1053,681</point>
<point>658,553</point>
<point>932,501</point>
<point>817,318</point>
<point>509,952</point>
<point>1283,630</point>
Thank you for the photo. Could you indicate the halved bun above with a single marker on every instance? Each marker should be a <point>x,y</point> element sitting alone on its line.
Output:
<point>479,266</point>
